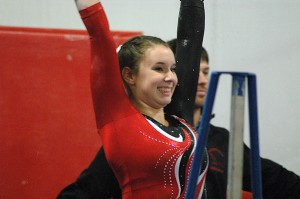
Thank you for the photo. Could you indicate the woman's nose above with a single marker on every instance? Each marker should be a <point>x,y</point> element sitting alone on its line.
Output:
<point>170,75</point>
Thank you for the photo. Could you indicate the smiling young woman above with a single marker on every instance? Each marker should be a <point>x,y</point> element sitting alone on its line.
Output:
<point>149,150</point>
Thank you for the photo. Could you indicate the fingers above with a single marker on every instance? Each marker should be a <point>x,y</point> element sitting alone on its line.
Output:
<point>82,4</point>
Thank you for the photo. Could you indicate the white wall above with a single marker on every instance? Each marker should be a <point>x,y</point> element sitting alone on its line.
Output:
<point>251,36</point>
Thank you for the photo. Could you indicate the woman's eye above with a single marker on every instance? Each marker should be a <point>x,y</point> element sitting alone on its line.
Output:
<point>159,69</point>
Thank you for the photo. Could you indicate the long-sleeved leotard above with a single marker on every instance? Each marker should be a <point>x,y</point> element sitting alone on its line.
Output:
<point>149,160</point>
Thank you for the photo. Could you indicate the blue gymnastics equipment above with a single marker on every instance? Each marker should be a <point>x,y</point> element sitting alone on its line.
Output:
<point>235,161</point>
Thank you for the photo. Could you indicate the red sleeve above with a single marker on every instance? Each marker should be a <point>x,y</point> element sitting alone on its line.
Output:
<point>108,93</point>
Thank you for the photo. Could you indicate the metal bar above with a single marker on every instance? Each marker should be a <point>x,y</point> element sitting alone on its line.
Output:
<point>236,149</point>
<point>256,181</point>
<point>235,161</point>
<point>202,136</point>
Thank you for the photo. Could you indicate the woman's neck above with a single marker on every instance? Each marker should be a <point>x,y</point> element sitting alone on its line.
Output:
<point>157,114</point>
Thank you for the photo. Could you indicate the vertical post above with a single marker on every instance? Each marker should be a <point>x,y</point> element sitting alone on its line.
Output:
<point>235,159</point>
<point>202,136</point>
<point>256,181</point>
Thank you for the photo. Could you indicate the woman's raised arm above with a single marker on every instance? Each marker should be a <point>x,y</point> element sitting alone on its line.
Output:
<point>106,84</point>
<point>190,31</point>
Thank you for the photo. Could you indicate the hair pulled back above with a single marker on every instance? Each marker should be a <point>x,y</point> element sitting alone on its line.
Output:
<point>133,50</point>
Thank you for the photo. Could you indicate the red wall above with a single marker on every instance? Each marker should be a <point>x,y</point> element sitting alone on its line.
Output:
<point>47,126</point>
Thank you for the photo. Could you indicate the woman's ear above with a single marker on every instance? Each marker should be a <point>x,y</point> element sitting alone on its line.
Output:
<point>128,75</point>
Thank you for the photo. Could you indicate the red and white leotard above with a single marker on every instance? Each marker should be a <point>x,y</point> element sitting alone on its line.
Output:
<point>149,159</point>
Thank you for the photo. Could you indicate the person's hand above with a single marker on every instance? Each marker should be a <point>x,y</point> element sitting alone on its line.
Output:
<point>82,4</point>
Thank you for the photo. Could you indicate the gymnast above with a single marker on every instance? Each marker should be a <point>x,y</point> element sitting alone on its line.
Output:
<point>148,148</point>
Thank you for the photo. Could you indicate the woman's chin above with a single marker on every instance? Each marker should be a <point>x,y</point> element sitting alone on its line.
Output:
<point>166,102</point>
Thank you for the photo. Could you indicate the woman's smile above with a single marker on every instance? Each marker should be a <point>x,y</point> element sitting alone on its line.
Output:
<point>166,90</point>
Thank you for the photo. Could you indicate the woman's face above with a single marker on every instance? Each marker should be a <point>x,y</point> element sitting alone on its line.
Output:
<point>155,81</point>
